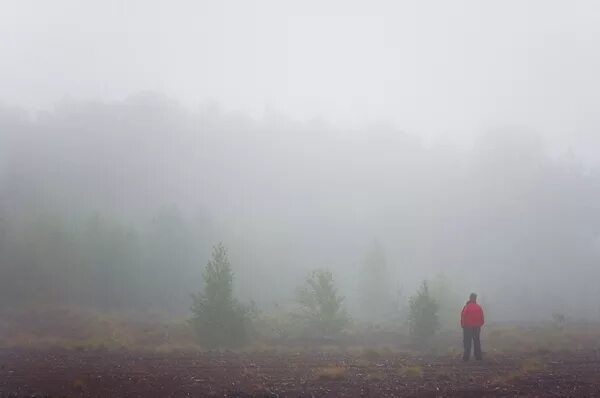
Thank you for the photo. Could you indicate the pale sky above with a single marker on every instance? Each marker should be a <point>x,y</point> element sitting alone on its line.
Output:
<point>444,69</point>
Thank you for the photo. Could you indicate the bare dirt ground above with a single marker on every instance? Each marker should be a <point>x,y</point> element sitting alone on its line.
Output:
<point>103,373</point>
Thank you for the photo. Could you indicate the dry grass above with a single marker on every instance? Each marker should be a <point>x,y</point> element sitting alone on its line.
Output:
<point>370,354</point>
<point>89,330</point>
<point>509,378</point>
<point>453,352</point>
<point>79,384</point>
<point>528,366</point>
<point>412,372</point>
<point>331,373</point>
<point>531,365</point>
<point>262,348</point>
<point>362,363</point>
<point>542,338</point>
<point>376,377</point>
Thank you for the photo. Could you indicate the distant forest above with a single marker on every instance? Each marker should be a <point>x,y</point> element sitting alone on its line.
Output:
<point>116,206</point>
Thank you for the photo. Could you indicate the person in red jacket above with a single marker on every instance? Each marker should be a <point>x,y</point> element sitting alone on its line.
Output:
<point>471,320</point>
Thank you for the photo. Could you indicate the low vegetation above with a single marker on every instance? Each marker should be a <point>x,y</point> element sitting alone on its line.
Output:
<point>371,354</point>
<point>376,376</point>
<point>412,372</point>
<point>422,316</point>
<point>219,319</point>
<point>321,307</point>
<point>331,373</point>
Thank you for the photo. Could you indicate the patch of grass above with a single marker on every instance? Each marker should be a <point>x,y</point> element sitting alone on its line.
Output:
<point>331,373</point>
<point>412,372</point>
<point>509,378</point>
<point>370,354</point>
<point>330,348</point>
<point>362,363</point>
<point>260,348</point>
<point>176,347</point>
<point>376,377</point>
<point>79,384</point>
<point>260,390</point>
<point>85,329</point>
<point>453,352</point>
<point>528,366</point>
<point>92,345</point>
<point>531,365</point>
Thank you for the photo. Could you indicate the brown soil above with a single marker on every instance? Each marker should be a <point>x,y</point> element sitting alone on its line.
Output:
<point>98,373</point>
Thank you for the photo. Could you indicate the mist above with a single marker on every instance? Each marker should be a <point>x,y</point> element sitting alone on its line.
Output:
<point>272,198</point>
<point>115,205</point>
<point>445,142</point>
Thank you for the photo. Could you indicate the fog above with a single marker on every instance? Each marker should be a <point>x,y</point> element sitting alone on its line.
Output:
<point>447,141</point>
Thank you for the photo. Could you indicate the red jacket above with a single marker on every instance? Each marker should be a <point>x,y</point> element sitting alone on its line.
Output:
<point>471,316</point>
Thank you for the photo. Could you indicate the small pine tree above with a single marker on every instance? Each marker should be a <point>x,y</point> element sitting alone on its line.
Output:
<point>423,316</point>
<point>321,306</point>
<point>218,318</point>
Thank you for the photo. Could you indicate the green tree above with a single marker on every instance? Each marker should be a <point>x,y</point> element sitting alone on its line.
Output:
<point>321,306</point>
<point>423,316</point>
<point>218,318</point>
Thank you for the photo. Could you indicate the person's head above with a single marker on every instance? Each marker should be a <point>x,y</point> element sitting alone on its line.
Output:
<point>473,298</point>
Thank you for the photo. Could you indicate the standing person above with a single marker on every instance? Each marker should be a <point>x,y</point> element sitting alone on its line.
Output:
<point>471,320</point>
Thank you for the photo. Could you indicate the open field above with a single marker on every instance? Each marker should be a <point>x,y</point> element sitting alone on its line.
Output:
<point>66,353</point>
<point>270,373</point>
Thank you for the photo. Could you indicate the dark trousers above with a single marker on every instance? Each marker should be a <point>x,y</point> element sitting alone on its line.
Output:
<point>472,335</point>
